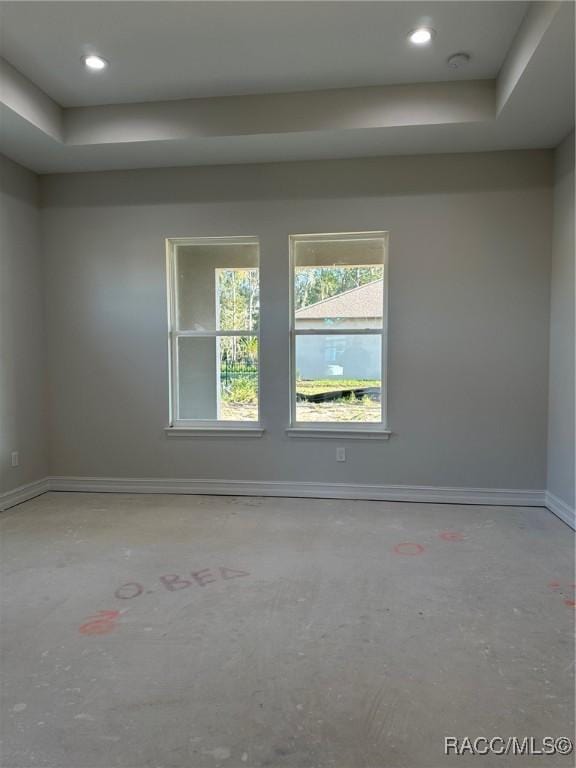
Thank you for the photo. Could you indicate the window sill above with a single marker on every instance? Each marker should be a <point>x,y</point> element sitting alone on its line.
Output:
<point>340,433</point>
<point>213,431</point>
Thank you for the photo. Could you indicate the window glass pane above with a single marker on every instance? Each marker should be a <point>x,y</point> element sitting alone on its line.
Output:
<point>237,299</point>
<point>217,287</point>
<point>338,283</point>
<point>218,378</point>
<point>338,378</point>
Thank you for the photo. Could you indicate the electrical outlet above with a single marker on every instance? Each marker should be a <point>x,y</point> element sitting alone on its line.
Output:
<point>15,458</point>
<point>340,454</point>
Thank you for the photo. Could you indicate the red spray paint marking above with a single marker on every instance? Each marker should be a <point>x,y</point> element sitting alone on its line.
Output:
<point>102,623</point>
<point>451,536</point>
<point>556,586</point>
<point>408,548</point>
<point>571,603</point>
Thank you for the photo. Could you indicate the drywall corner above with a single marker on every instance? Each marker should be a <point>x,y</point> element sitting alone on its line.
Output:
<point>561,457</point>
<point>22,338</point>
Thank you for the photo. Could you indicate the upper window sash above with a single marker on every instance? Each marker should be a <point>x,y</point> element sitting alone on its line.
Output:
<point>186,278</point>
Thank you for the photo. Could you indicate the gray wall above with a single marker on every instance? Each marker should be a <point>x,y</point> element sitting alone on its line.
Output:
<point>561,406</point>
<point>22,353</point>
<point>469,315</point>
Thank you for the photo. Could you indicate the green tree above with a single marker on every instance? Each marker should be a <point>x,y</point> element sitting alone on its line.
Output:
<point>313,284</point>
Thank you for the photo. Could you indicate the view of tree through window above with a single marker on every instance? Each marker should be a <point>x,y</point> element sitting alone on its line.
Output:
<point>238,306</point>
<point>238,299</point>
<point>314,284</point>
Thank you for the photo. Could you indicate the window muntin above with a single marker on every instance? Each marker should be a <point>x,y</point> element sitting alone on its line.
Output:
<point>214,331</point>
<point>338,330</point>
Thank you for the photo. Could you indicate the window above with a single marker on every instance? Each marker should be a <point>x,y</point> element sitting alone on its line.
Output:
<point>338,331</point>
<point>214,311</point>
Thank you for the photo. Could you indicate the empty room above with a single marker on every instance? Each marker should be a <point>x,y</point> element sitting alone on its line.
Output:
<point>287,384</point>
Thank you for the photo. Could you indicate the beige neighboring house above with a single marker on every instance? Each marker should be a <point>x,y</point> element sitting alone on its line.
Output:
<point>357,308</point>
<point>347,357</point>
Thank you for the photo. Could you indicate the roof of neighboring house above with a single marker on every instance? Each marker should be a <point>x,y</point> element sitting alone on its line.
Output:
<point>365,301</point>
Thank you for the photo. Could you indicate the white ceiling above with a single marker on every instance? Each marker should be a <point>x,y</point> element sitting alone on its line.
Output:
<point>328,80</point>
<point>173,50</point>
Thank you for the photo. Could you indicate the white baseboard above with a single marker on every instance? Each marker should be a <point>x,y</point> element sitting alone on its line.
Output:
<point>410,493</point>
<point>24,493</point>
<point>561,509</point>
<point>430,494</point>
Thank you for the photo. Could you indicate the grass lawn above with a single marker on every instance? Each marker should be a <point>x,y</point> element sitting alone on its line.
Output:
<point>239,402</point>
<point>316,386</point>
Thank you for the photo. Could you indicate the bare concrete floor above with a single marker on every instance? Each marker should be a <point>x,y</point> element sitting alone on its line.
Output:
<point>313,634</point>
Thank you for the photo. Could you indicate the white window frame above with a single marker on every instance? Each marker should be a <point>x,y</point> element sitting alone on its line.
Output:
<point>331,428</point>
<point>184,427</point>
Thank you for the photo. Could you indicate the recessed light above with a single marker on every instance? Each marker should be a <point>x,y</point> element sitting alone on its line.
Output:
<point>421,36</point>
<point>94,63</point>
